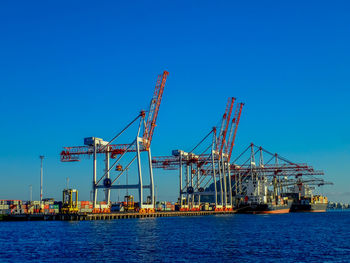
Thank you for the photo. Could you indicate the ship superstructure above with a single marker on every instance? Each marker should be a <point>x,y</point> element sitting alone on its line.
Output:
<point>263,187</point>
<point>302,195</point>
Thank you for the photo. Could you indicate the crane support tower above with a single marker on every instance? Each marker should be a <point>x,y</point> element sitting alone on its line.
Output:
<point>211,167</point>
<point>128,153</point>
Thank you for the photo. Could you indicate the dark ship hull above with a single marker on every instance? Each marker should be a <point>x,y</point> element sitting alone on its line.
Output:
<point>263,209</point>
<point>297,207</point>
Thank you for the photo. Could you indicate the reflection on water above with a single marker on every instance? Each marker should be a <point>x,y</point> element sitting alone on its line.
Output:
<point>242,238</point>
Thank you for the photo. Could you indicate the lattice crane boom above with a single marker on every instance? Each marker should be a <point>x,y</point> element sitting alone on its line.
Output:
<point>219,145</point>
<point>95,146</point>
<point>231,101</point>
<point>72,154</point>
<point>237,117</point>
<point>154,108</point>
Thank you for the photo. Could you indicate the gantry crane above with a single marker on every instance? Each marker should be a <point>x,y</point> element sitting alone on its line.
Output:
<point>216,163</point>
<point>128,152</point>
<point>197,171</point>
<point>70,201</point>
<point>252,180</point>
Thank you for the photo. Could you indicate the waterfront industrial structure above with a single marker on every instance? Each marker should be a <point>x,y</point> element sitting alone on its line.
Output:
<point>209,178</point>
<point>266,182</point>
<point>210,165</point>
<point>207,175</point>
<point>130,152</point>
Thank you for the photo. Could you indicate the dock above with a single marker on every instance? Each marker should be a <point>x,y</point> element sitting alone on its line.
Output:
<point>109,216</point>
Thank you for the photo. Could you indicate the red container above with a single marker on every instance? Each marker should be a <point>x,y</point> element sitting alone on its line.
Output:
<point>46,207</point>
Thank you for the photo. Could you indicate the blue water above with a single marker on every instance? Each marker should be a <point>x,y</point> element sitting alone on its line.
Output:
<point>304,237</point>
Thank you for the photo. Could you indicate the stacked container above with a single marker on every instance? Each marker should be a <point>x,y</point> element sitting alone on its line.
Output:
<point>86,207</point>
<point>165,206</point>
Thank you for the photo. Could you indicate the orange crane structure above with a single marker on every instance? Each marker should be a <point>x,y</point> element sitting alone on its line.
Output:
<point>211,165</point>
<point>224,150</point>
<point>128,152</point>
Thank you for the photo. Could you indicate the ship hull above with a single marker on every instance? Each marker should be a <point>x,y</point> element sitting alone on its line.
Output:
<point>313,208</point>
<point>263,209</point>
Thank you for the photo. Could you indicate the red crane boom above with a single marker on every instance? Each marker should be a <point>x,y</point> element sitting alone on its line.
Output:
<point>154,108</point>
<point>236,119</point>
<point>227,117</point>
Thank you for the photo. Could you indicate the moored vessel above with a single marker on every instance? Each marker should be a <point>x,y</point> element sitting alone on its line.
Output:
<point>303,199</point>
<point>268,208</point>
<point>316,203</point>
<point>261,200</point>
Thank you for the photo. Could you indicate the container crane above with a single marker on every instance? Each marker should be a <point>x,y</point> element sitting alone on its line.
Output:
<point>94,146</point>
<point>277,172</point>
<point>197,171</point>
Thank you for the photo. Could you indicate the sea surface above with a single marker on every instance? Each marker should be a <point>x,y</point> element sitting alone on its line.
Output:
<point>297,237</point>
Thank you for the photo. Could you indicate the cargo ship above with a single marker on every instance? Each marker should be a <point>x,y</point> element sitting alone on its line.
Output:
<point>260,200</point>
<point>268,208</point>
<point>304,201</point>
<point>315,204</point>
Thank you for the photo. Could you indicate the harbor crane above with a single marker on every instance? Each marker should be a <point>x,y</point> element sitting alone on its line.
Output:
<point>252,179</point>
<point>128,152</point>
<point>197,171</point>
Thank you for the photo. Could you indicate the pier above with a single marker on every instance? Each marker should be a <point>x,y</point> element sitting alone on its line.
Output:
<point>109,216</point>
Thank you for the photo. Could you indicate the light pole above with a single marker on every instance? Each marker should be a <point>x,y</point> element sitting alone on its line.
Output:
<point>30,192</point>
<point>118,192</point>
<point>41,178</point>
<point>127,183</point>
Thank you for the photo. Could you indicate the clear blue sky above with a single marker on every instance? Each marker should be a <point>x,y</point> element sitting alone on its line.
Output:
<point>72,69</point>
